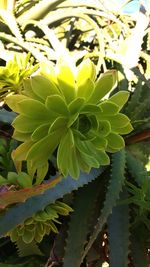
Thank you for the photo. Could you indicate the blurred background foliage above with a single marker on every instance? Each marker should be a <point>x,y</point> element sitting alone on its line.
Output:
<point>98,232</point>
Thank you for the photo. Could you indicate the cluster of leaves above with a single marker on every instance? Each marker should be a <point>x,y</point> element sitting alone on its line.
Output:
<point>67,123</point>
<point>69,115</point>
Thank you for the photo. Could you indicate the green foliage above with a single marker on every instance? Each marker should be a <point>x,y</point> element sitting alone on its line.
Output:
<point>70,116</point>
<point>79,225</point>
<point>69,104</point>
<point>40,224</point>
<point>12,75</point>
<point>118,234</point>
<point>32,205</point>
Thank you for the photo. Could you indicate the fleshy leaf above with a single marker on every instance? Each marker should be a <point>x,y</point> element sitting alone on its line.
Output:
<point>59,123</point>
<point>119,120</point>
<point>25,125</point>
<point>56,105</point>
<point>40,132</point>
<point>21,151</point>
<point>33,109</point>
<point>13,100</point>
<point>41,150</point>
<point>103,86</point>
<point>125,130</point>
<point>86,89</point>
<point>43,87</point>
<point>86,71</point>
<point>120,98</point>
<point>76,105</point>
<point>115,141</point>
<point>66,82</point>
<point>26,210</point>
<point>109,108</point>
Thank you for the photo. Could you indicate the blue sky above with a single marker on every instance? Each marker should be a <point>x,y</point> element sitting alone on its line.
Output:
<point>129,8</point>
<point>133,6</point>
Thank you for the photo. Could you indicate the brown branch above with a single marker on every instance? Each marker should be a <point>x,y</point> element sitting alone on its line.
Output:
<point>138,137</point>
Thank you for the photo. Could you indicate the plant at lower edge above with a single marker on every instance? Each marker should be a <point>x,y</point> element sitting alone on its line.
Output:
<point>66,111</point>
<point>40,224</point>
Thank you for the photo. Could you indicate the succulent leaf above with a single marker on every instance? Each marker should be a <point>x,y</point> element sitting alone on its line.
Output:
<point>64,111</point>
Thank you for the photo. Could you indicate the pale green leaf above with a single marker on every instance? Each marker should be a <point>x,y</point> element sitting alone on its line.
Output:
<point>86,70</point>
<point>56,105</point>
<point>33,109</point>
<point>103,86</point>
<point>86,89</point>
<point>40,132</point>
<point>24,124</point>
<point>115,141</point>
<point>109,108</point>
<point>43,87</point>
<point>13,100</point>
<point>66,82</point>
<point>120,98</point>
<point>76,105</point>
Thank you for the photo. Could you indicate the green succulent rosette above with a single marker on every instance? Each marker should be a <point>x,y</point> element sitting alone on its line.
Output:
<point>64,110</point>
<point>12,75</point>
<point>40,224</point>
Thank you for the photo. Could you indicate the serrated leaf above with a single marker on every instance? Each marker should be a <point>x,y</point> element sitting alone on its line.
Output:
<point>115,186</point>
<point>118,235</point>
<point>31,206</point>
<point>25,250</point>
<point>79,223</point>
<point>136,168</point>
<point>139,248</point>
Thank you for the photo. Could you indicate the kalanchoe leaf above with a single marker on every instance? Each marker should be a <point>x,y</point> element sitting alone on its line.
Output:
<point>65,112</point>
